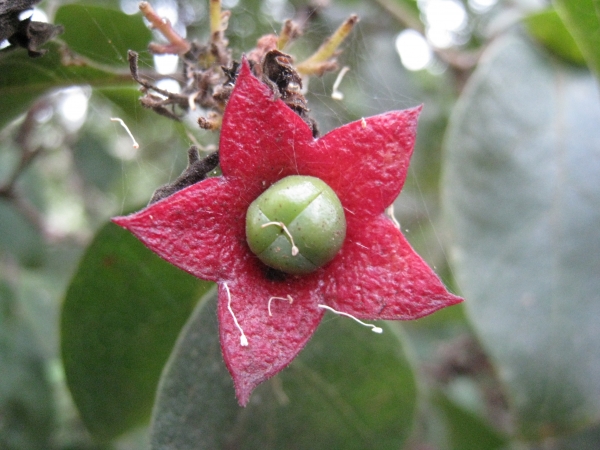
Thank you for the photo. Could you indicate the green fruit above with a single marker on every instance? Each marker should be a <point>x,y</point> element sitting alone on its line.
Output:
<point>301,209</point>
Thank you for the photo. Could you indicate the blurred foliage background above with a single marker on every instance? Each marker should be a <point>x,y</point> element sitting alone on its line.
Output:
<point>105,346</point>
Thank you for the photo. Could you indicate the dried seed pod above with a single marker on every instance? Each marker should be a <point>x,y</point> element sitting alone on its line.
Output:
<point>297,225</point>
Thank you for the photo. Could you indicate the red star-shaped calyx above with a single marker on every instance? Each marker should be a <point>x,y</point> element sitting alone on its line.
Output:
<point>375,275</point>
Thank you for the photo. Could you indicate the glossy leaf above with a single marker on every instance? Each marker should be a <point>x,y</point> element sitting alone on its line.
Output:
<point>522,199</point>
<point>20,238</point>
<point>467,431</point>
<point>548,28</point>
<point>412,5</point>
<point>408,10</point>
<point>127,100</point>
<point>26,403</point>
<point>154,134</point>
<point>93,161</point>
<point>103,35</point>
<point>120,319</point>
<point>582,17</point>
<point>24,79</point>
<point>588,438</point>
<point>349,389</point>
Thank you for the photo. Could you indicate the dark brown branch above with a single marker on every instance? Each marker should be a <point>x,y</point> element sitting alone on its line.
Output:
<point>133,57</point>
<point>197,170</point>
<point>28,154</point>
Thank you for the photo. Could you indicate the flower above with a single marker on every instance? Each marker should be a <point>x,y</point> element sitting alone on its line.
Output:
<point>375,274</point>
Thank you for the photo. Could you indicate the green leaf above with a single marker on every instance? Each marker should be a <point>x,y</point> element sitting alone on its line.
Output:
<point>548,28</point>
<point>348,388</point>
<point>24,79</point>
<point>26,403</point>
<point>588,438</point>
<point>522,199</point>
<point>19,237</point>
<point>466,430</point>
<point>582,18</point>
<point>156,134</point>
<point>408,6</point>
<point>120,319</point>
<point>127,100</point>
<point>103,35</point>
<point>93,161</point>
<point>100,34</point>
<point>407,10</point>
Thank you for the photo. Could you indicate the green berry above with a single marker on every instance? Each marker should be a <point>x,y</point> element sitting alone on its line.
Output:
<point>301,209</point>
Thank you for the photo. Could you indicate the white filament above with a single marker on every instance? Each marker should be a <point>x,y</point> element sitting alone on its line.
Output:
<point>116,119</point>
<point>390,212</point>
<point>374,329</point>
<point>335,94</point>
<point>243,338</point>
<point>288,298</point>
<point>286,231</point>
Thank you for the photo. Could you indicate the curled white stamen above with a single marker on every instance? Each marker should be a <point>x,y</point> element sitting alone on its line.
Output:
<point>286,231</point>
<point>243,338</point>
<point>363,123</point>
<point>116,119</point>
<point>374,329</point>
<point>390,212</point>
<point>288,298</point>
<point>192,100</point>
<point>335,94</point>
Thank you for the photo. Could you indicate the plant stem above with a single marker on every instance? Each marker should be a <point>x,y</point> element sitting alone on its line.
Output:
<point>178,45</point>
<point>320,62</point>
